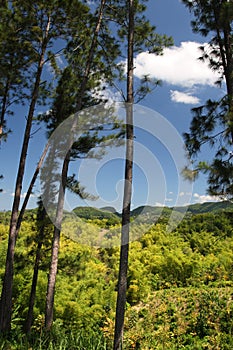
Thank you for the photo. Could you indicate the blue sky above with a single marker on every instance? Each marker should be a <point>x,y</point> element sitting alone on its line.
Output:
<point>186,84</point>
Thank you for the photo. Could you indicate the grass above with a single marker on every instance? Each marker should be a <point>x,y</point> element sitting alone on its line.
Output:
<point>59,340</point>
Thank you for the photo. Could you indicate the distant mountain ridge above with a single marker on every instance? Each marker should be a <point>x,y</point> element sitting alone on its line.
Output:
<point>206,207</point>
<point>110,209</point>
<point>94,213</point>
<point>147,213</point>
<point>154,211</point>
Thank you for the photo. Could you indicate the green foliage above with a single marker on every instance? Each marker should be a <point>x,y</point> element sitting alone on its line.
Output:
<point>207,207</point>
<point>181,319</point>
<point>179,288</point>
<point>14,62</point>
<point>212,123</point>
<point>94,213</point>
<point>59,339</point>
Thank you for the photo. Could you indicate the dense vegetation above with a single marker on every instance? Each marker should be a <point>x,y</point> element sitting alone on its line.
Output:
<point>176,283</point>
<point>179,294</point>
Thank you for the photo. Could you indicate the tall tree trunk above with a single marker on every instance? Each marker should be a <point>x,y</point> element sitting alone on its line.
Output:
<point>59,215</point>
<point>30,188</point>
<point>4,106</point>
<point>41,218</point>
<point>29,319</point>
<point>55,247</point>
<point>124,253</point>
<point>6,295</point>
<point>225,46</point>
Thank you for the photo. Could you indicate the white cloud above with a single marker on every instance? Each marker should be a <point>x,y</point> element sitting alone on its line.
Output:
<point>60,64</point>
<point>185,194</point>
<point>103,92</point>
<point>202,198</point>
<point>23,195</point>
<point>60,61</point>
<point>178,66</point>
<point>159,204</point>
<point>183,97</point>
<point>181,194</point>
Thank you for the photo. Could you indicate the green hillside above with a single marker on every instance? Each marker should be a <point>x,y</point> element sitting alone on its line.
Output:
<point>149,212</point>
<point>147,209</point>
<point>207,207</point>
<point>179,285</point>
<point>104,217</point>
<point>95,213</point>
<point>110,209</point>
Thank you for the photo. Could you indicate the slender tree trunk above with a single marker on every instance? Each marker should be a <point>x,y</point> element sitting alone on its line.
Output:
<point>4,106</point>
<point>55,247</point>
<point>39,165</point>
<point>59,215</point>
<point>29,319</point>
<point>124,253</point>
<point>30,188</point>
<point>229,75</point>
<point>225,46</point>
<point>6,296</point>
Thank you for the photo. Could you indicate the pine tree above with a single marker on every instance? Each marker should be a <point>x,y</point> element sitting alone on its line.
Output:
<point>42,23</point>
<point>124,253</point>
<point>14,61</point>
<point>212,122</point>
<point>88,68</point>
<point>139,35</point>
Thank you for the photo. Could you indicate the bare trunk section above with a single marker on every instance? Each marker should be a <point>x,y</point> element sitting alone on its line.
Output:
<point>29,319</point>
<point>4,106</point>
<point>55,247</point>
<point>57,229</point>
<point>225,46</point>
<point>6,296</point>
<point>124,253</point>
<point>30,188</point>
<point>40,238</point>
<point>229,75</point>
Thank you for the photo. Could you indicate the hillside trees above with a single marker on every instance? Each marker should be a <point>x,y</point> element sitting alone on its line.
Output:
<point>212,122</point>
<point>175,287</point>
<point>42,24</point>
